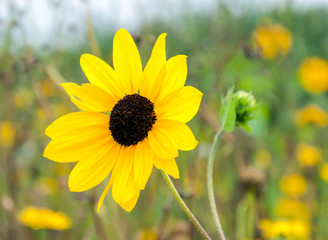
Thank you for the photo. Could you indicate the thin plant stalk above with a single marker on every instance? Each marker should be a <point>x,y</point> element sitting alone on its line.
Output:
<point>210,189</point>
<point>185,208</point>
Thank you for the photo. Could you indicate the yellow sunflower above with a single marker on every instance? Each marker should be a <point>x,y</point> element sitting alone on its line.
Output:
<point>131,119</point>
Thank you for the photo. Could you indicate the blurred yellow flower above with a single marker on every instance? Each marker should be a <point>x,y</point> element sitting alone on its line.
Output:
<point>311,114</point>
<point>314,75</point>
<point>47,186</point>
<point>324,172</point>
<point>262,158</point>
<point>147,234</point>
<point>293,185</point>
<point>308,155</point>
<point>292,208</point>
<point>23,97</point>
<point>291,229</point>
<point>7,134</point>
<point>43,218</point>
<point>47,87</point>
<point>272,40</point>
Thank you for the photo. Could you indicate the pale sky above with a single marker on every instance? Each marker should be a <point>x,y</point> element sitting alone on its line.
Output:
<point>50,22</point>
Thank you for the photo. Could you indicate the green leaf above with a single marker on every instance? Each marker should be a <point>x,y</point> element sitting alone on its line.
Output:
<point>228,112</point>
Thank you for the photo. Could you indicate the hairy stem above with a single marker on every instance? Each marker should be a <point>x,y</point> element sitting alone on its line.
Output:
<point>210,188</point>
<point>184,206</point>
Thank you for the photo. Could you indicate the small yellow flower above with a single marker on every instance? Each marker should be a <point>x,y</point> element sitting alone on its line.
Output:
<point>291,229</point>
<point>314,75</point>
<point>293,185</point>
<point>323,173</point>
<point>311,114</point>
<point>131,120</point>
<point>43,218</point>
<point>272,40</point>
<point>147,234</point>
<point>308,155</point>
<point>288,208</point>
<point>7,134</point>
<point>47,186</point>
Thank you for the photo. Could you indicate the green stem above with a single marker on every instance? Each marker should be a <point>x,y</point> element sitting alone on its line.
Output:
<point>185,208</point>
<point>210,188</point>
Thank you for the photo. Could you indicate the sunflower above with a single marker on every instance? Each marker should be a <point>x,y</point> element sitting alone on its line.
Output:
<point>131,119</point>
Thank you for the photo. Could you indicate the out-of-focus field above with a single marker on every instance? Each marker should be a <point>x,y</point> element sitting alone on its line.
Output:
<point>269,184</point>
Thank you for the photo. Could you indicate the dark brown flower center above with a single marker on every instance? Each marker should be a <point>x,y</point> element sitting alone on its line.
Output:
<point>131,119</point>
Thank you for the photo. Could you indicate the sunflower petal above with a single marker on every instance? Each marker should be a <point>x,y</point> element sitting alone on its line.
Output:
<point>180,105</point>
<point>129,205</point>
<point>103,195</point>
<point>77,145</point>
<point>167,165</point>
<point>162,142</point>
<point>102,75</point>
<point>124,187</point>
<point>126,60</point>
<point>186,139</point>
<point>89,172</point>
<point>89,97</point>
<point>143,163</point>
<point>76,120</point>
<point>176,75</point>
<point>154,73</point>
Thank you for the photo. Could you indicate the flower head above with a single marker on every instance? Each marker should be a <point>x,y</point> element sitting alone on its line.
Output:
<point>290,208</point>
<point>314,75</point>
<point>323,173</point>
<point>293,185</point>
<point>308,155</point>
<point>145,125</point>
<point>7,134</point>
<point>291,229</point>
<point>43,218</point>
<point>311,114</point>
<point>272,40</point>
<point>246,108</point>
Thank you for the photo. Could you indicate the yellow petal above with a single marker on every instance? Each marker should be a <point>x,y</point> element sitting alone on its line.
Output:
<point>161,141</point>
<point>76,120</point>
<point>102,75</point>
<point>103,195</point>
<point>129,205</point>
<point>154,73</point>
<point>77,145</point>
<point>89,97</point>
<point>143,163</point>
<point>89,172</point>
<point>176,74</point>
<point>124,187</point>
<point>167,165</point>
<point>126,60</point>
<point>186,139</point>
<point>180,105</point>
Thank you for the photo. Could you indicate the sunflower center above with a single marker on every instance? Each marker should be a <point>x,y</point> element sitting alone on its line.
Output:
<point>131,119</point>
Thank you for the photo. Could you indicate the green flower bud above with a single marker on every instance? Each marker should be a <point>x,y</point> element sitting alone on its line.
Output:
<point>246,108</point>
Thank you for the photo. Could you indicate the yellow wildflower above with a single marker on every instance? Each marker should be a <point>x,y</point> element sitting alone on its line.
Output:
<point>272,40</point>
<point>43,218</point>
<point>293,185</point>
<point>308,155</point>
<point>311,114</point>
<point>323,173</point>
<point>291,229</point>
<point>292,208</point>
<point>7,134</point>
<point>132,119</point>
<point>147,234</point>
<point>314,75</point>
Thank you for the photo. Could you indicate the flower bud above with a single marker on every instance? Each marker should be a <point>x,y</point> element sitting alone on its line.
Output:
<point>246,108</point>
